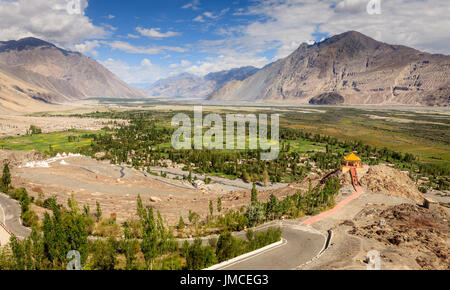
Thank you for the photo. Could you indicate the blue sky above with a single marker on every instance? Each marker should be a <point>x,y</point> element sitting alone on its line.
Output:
<point>142,41</point>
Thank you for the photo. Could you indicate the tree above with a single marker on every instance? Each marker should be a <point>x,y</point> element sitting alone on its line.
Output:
<point>181,224</point>
<point>219,204</point>
<point>265,177</point>
<point>64,231</point>
<point>271,206</point>
<point>104,255</point>
<point>227,247</point>
<point>34,130</point>
<point>199,257</point>
<point>254,194</point>
<point>246,176</point>
<point>87,210</point>
<point>130,249</point>
<point>193,217</point>
<point>211,208</point>
<point>98,212</point>
<point>18,253</point>
<point>254,214</point>
<point>149,242</point>
<point>6,177</point>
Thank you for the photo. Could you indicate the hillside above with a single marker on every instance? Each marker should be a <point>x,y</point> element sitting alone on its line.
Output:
<point>19,96</point>
<point>352,65</point>
<point>182,85</point>
<point>62,74</point>
<point>191,86</point>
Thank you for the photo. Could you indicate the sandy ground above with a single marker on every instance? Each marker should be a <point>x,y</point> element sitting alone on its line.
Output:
<point>354,229</point>
<point>348,250</point>
<point>116,188</point>
<point>18,125</point>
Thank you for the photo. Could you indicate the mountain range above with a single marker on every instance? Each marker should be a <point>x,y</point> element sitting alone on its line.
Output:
<point>32,70</point>
<point>191,86</point>
<point>349,68</point>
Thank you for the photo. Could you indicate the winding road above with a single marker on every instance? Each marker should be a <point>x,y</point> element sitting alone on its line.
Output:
<point>11,211</point>
<point>300,245</point>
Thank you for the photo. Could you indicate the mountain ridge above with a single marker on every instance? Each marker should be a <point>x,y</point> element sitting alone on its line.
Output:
<point>64,75</point>
<point>191,86</point>
<point>357,67</point>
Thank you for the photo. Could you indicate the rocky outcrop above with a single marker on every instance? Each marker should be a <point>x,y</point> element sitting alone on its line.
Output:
<point>388,180</point>
<point>327,99</point>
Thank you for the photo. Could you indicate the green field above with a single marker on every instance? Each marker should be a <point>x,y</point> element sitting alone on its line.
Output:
<point>57,141</point>
<point>426,135</point>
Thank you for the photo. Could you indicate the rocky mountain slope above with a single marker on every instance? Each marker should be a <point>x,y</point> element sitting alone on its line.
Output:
<point>62,75</point>
<point>182,85</point>
<point>19,96</point>
<point>191,86</point>
<point>352,65</point>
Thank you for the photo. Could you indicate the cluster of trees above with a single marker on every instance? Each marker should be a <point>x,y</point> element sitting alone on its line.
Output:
<point>145,244</point>
<point>34,130</point>
<point>29,217</point>
<point>226,247</point>
<point>315,200</point>
<point>48,245</point>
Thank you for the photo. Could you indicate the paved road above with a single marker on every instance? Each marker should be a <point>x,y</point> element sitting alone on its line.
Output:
<point>4,235</point>
<point>11,209</point>
<point>301,245</point>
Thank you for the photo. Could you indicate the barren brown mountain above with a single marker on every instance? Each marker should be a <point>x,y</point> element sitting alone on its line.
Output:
<point>349,68</point>
<point>59,75</point>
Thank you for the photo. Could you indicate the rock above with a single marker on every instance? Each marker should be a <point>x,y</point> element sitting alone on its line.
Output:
<point>155,199</point>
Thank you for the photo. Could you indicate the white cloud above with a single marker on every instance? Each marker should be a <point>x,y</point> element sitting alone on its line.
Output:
<point>144,73</point>
<point>183,63</point>
<point>225,62</point>
<point>194,5</point>
<point>88,47</point>
<point>282,25</point>
<point>128,47</point>
<point>422,24</point>
<point>199,19</point>
<point>48,20</point>
<point>130,35</point>
<point>110,16</point>
<point>210,15</point>
<point>155,32</point>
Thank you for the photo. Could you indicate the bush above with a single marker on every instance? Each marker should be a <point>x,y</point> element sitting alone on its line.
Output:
<point>423,189</point>
<point>254,214</point>
<point>104,255</point>
<point>29,218</point>
<point>228,247</point>
<point>199,257</point>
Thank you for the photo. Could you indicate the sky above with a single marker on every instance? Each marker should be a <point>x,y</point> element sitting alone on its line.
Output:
<point>142,41</point>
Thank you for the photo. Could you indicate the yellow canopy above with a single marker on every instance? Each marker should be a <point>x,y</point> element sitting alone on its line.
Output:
<point>352,157</point>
